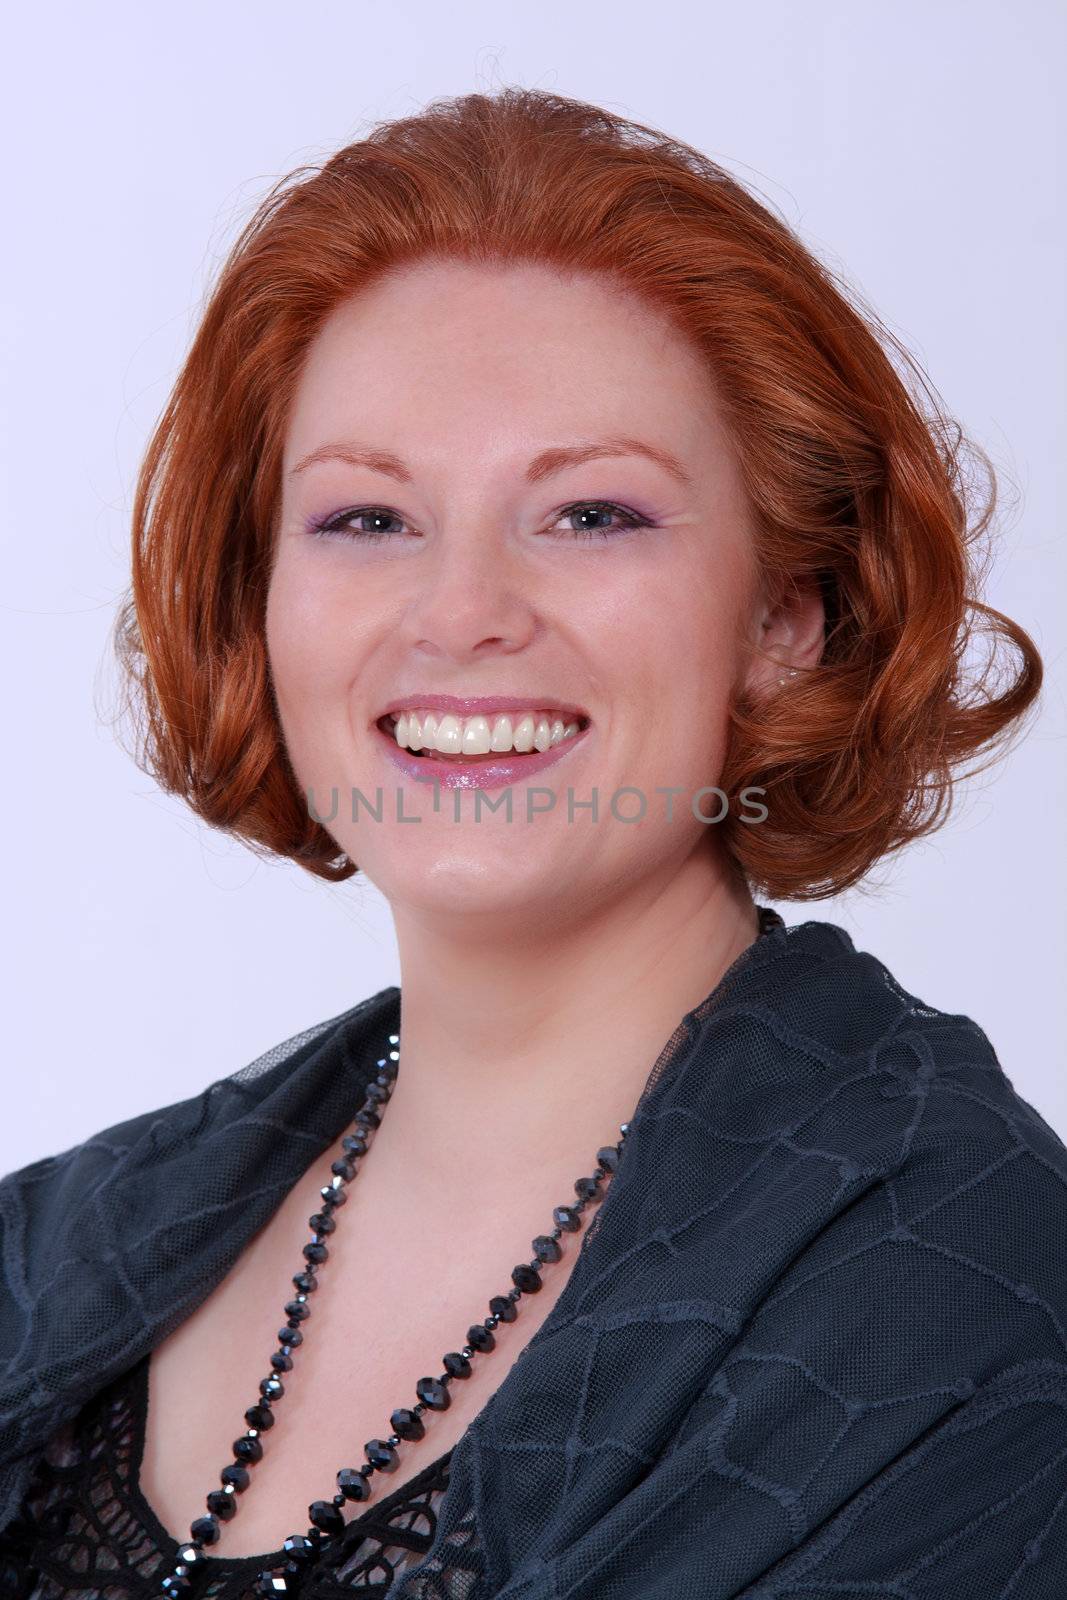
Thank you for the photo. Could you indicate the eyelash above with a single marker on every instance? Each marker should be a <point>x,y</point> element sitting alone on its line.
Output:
<point>333,526</point>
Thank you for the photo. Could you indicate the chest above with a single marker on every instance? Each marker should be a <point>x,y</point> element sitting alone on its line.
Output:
<point>394,1296</point>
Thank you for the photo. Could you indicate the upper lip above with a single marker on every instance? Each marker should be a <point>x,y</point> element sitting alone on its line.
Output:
<point>470,706</point>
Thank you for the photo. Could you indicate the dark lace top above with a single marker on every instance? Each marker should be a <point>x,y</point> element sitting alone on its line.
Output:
<point>88,1533</point>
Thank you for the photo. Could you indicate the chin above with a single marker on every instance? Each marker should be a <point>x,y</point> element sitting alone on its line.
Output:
<point>459,880</point>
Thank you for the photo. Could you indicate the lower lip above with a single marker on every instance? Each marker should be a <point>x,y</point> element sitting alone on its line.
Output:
<point>453,773</point>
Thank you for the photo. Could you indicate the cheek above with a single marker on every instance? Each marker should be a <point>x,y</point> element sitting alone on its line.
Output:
<point>284,633</point>
<point>307,658</point>
<point>681,665</point>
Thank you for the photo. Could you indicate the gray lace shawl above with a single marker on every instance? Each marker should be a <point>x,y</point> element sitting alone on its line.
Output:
<point>814,1344</point>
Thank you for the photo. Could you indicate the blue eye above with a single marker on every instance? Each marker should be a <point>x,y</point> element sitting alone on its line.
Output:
<point>602,508</point>
<point>340,526</point>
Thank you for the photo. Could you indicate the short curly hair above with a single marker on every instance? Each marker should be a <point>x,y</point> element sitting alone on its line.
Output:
<point>855,476</point>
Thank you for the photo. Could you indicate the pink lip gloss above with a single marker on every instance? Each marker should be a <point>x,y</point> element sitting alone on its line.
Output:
<point>452,772</point>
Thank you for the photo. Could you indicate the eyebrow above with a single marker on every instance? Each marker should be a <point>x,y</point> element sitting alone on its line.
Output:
<point>542,466</point>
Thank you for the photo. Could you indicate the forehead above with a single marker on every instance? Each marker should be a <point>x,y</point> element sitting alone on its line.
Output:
<point>517,348</point>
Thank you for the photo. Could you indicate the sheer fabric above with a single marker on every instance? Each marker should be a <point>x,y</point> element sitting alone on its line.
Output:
<point>814,1342</point>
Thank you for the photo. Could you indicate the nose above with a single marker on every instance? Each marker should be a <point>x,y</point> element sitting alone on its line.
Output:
<point>472,597</point>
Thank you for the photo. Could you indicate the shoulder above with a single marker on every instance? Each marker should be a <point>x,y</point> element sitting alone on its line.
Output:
<point>917,1203</point>
<point>110,1243</point>
<point>284,1073</point>
<point>831,1028</point>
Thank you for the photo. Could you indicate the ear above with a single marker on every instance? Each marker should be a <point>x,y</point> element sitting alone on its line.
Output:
<point>789,632</point>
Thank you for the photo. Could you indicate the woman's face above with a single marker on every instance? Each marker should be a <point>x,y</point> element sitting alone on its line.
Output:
<point>471,427</point>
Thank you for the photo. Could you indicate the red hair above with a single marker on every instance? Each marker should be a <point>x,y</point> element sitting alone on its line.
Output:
<point>855,476</point>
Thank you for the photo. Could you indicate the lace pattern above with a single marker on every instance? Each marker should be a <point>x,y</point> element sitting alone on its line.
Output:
<point>814,1341</point>
<point>88,1533</point>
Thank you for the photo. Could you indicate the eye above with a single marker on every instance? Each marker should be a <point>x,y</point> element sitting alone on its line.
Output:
<point>598,510</point>
<point>338,526</point>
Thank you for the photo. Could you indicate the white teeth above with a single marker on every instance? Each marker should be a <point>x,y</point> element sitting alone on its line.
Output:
<point>478,735</point>
<point>449,740</point>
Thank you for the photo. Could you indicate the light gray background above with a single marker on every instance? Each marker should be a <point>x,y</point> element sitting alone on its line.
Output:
<point>917,147</point>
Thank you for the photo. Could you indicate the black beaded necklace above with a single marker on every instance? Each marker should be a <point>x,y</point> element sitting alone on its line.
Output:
<point>303,1550</point>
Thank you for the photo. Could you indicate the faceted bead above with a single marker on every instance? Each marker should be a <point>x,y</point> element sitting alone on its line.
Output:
<point>325,1515</point>
<point>353,1484</point>
<point>260,1417</point>
<point>587,1188</point>
<point>316,1253</point>
<point>306,1282</point>
<point>343,1169</point>
<point>284,1584</point>
<point>271,1388</point>
<point>526,1278</point>
<point>545,1248</point>
<point>608,1158</point>
<point>567,1218</point>
<point>332,1197</point>
<point>246,1449</point>
<point>377,1092</point>
<point>355,1144</point>
<point>275,1585</point>
<point>381,1455</point>
<point>456,1364</point>
<point>433,1393</point>
<point>175,1585</point>
<point>222,1504</point>
<point>367,1118</point>
<point>297,1311</point>
<point>281,1361</point>
<point>479,1337</point>
<point>408,1424</point>
<point>301,1551</point>
<point>322,1222</point>
<point>503,1307</point>
<point>192,1557</point>
<point>290,1336</point>
<point>237,1475</point>
<point>205,1530</point>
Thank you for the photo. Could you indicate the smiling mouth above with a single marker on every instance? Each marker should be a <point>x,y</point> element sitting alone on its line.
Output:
<point>479,739</point>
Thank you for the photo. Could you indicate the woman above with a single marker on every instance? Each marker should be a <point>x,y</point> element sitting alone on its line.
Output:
<point>536,527</point>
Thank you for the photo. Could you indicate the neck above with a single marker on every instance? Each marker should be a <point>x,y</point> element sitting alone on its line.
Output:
<point>522,1052</point>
